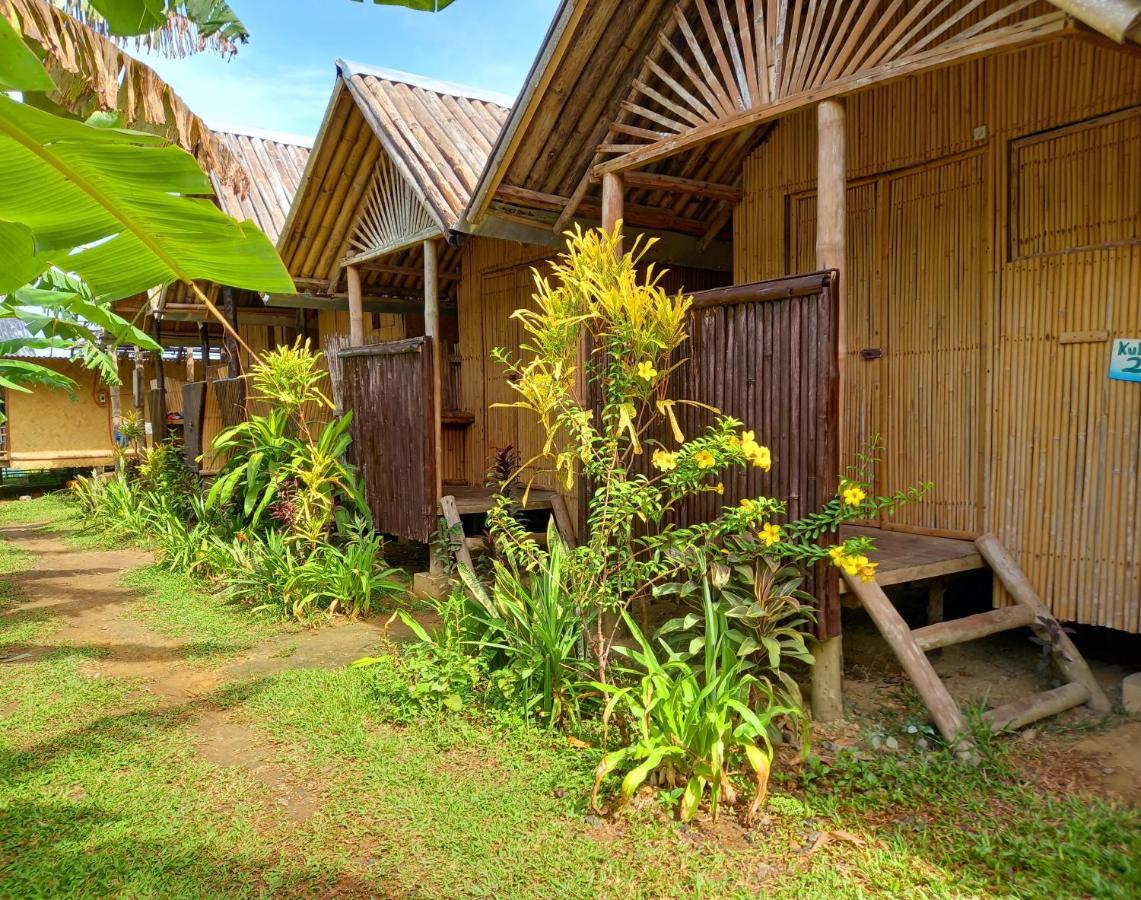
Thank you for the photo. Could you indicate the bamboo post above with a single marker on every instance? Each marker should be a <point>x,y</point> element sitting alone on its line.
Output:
<point>831,253</point>
<point>230,307</point>
<point>158,428</point>
<point>1068,658</point>
<point>432,331</point>
<point>612,202</point>
<point>204,347</point>
<point>356,306</point>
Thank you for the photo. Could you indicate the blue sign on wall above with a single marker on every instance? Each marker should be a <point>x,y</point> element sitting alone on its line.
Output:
<point>1125,359</point>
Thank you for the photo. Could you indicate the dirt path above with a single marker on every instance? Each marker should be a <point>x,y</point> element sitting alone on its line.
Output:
<point>82,590</point>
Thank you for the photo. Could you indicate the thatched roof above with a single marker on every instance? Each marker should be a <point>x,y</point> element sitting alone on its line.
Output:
<point>395,162</point>
<point>686,89</point>
<point>441,133</point>
<point>274,164</point>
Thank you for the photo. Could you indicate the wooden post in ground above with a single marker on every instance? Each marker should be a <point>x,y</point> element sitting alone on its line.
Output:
<point>831,253</point>
<point>612,202</point>
<point>230,308</point>
<point>356,306</point>
<point>432,330</point>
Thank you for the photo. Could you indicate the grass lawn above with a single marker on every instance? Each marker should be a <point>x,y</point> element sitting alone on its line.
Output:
<point>105,790</point>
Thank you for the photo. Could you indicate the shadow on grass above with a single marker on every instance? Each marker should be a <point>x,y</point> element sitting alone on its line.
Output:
<point>110,733</point>
<point>86,848</point>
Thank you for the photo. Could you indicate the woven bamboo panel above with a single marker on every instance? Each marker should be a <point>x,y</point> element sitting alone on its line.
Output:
<point>973,241</point>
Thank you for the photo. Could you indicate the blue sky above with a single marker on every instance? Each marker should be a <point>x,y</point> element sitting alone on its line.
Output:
<point>281,80</point>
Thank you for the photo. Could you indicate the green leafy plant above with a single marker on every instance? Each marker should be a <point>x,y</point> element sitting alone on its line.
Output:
<point>696,724</point>
<point>598,297</point>
<point>437,671</point>
<point>531,631</point>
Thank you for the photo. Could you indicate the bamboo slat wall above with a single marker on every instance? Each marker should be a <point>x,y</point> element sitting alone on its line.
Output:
<point>994,251</point>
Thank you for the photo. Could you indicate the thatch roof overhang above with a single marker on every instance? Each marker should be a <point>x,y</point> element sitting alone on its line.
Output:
<point>271,165</point>
<point>676,94</point>
<point>395,163</point>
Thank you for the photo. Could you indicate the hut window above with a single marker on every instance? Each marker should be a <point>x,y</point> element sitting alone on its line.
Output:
<point>1076,187</point>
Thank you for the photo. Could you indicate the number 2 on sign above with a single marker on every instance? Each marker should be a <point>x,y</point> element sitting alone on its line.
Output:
<point>1125,361</point>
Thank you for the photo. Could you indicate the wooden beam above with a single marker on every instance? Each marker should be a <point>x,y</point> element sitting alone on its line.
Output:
<point>432,330</point>
<point>158,429</point>
<point>402,243</point>
<point>678,185</point>
<point>405,271</point>
<point>971,628</point>
<point>356,310</point>
<point>1037,706</point>
<point>455,525</point>
<point>371,303</point>
<point>1023,34</point>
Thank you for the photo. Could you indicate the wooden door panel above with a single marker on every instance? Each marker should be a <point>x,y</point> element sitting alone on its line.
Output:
<point>933,418</point>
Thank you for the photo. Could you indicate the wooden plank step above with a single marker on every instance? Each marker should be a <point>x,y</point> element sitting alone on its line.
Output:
<point>944,710</point>
<point>480,543</point>
<point>1037,706</point>
<point>971,628</point>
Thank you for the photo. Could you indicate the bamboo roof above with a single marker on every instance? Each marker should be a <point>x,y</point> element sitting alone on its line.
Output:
<point>274,164</point>
<point>395,162</point>
<point>683,91</point>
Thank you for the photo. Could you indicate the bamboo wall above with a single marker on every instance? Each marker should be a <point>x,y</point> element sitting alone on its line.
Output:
<point>50,429</point>
<point>994,253</point>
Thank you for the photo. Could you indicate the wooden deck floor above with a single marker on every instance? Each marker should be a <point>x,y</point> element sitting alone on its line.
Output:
<point>902,557</point>
<point>907,557</point>
<point>473,500</point>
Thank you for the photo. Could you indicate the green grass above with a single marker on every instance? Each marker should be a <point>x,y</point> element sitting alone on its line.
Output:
<point>105,792</point>
<point>174,605</point>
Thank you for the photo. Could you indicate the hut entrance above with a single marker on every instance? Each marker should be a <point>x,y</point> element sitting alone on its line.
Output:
<point>914,322</point>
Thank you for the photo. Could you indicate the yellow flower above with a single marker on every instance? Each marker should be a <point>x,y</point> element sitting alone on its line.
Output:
<point>770,534</point>
<point>837,554</point>
<point>704,459</point>
<point>664,460</point>
<point>868,571</point>
<point>646,370</point>
<point>763,458</point>
<point>853,495</point>
<point>719,488</point>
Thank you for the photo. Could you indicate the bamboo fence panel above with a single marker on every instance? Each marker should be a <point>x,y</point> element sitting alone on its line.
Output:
<point>389,389</point>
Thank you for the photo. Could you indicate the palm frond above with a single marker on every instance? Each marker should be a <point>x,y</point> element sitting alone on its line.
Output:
<point>91,73</point>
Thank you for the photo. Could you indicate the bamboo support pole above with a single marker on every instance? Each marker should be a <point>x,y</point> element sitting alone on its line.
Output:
<point>831,238</point>
<point>612,203</point>
<point>1068,658</point>
<point>204,347</point>
<point>158,429</point>
<point>229,339</point>
<point>432,330</point>
<point>356,306</point>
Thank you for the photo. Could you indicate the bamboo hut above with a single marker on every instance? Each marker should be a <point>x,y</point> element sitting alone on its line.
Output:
<point>50,428</point>
<point>207,395</point>
<point>966,176</point>
<point>408,309</point>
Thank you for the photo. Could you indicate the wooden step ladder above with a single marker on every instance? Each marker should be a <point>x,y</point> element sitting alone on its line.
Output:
<point>910,648</point>
<point>465,547</point>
